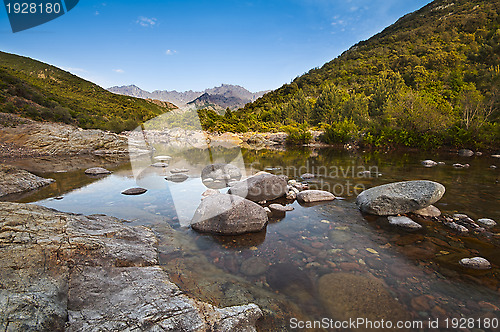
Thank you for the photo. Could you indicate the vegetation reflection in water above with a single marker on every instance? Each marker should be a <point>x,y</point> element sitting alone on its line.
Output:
<point>283,269</point>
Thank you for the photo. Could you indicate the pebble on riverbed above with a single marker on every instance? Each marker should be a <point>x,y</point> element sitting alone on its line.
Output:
<point>178,177</point>
<point>134,191</point>
<point>404,222</point>
<point>279,210</point>
<point>159,164</point>
<point>487,222</point>
<point>477,263</point>
<point>96,171</point>
<point>429,163</point>
<point>430,211</point>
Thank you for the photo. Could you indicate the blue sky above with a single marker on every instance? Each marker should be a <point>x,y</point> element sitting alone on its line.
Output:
<point>182,44</point>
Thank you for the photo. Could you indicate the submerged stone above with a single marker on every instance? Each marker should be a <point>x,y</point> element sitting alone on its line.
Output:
<point>430,211</point>
<point>399,197</point>
<point>404,222</point>
<point>349,296</point>
<point>487,222</point>
<point>477,263</point>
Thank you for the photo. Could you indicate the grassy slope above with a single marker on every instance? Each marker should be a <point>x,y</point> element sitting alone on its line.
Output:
<point>433,75</point>
<point>43,92</point>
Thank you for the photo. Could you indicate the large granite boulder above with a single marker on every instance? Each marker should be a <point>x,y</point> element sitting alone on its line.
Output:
<point>62,271</point>
<point>399,197</point>
<point>228,215</point>
<point>261,187</point>
<point>14,180</point>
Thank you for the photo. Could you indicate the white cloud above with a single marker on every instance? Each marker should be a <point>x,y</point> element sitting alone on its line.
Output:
<point>170,52</point>
<point>96,13</point>
<point>146,21</point>
<point>119,71</point>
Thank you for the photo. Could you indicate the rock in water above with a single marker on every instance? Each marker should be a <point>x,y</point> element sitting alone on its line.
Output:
<point>228,215</point>
<point>348,296</point>
<point>178,177</point>
<point>312,196</point>
<point>430,211</point>
<point>477,263</point>
<point>163,158</point>
<point>279,210</point>
<point>261,187</point>
<point>96,171</point>
<point>254,266</point>
<point>465,153</point>
<point>429,163</point>
<point>68,272</point>
<point>218,176</point>
<point>14,180</point>
<point>404,222</point>
<point>399,197</point>
<point>307,176</point>
<point>134,191</point>
<point>160,165</point>
<point>179,170</point>
<point>487,222</point>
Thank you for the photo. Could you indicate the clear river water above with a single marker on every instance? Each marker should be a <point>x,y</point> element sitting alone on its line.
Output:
<point>320,261</point>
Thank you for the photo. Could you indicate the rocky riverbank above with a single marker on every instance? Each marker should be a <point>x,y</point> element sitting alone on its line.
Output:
<point>63,271</point>
<point>21,137</point>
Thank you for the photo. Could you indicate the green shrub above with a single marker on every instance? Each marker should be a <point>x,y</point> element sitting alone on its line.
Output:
<point>298,135</point>
<point>341,132</point>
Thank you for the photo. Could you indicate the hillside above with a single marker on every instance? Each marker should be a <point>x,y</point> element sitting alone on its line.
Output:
<point>219,103</point>
<point>217,98</point>
<point>430,79</point>
<point>40,91</point>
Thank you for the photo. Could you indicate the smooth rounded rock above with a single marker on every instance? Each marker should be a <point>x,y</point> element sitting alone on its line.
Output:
<point>429,163</point>
<point>160,165</point>
<point>96,171</point>
<point>477,263</point>
<point>487,222</point>
<point>307,176</point>
<point>261,187</point>
<point>430,211</point>
<point>134,191</point>
<point>179,177</point>
<point>179,170</point>
<point>279,210</point>
<point>399,197</point>
<point>229,215</point>
<point>404,222</point>
<point>313,196</point>
<point>162,158</point>
<point>465,153</point>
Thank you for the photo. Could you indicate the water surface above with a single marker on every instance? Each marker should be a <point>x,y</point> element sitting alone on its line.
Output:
<point>280,268</point>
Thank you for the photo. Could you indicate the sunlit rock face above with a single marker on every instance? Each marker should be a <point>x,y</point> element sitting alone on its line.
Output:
<point>64,271</point>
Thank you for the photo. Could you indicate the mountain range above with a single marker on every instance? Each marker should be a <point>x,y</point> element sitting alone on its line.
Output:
<point>217,98</point>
